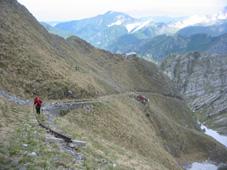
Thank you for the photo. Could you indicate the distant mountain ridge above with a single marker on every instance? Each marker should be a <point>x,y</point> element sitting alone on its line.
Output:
<point>104,29</point>
<point>159,47</point>
<point>212,30</point>
<point>149,37</point>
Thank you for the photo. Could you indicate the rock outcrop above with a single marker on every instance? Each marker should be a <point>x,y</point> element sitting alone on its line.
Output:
<point>202,79</point>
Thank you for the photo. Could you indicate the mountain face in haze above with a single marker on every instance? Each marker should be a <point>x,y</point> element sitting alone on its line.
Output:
<point>202,79</point>
<point>111,19</point>
<point>156,48</point>
<point>99,30</point>
<point>211,30</point>
<point>104,29</point>
<point>121,132</point>
<point>159,47</point>
<point>211,39</point>
<point>155,37</point>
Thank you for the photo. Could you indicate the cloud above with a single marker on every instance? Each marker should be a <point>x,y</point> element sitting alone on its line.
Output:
<point>75,9</point>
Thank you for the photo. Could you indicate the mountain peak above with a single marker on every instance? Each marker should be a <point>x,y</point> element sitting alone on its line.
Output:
<point>116,13</point>
<point>110,12</point>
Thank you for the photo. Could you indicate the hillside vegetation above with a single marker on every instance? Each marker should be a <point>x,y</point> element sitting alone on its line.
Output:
<point>32,60</point>
<point>121,132</point>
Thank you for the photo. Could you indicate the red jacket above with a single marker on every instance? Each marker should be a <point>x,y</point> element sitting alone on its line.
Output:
<point>37,101</point>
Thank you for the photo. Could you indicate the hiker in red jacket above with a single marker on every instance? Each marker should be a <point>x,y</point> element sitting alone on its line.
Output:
<point>38,103</point>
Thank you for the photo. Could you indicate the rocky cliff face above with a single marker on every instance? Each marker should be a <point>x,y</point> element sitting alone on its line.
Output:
<point>202,79</point>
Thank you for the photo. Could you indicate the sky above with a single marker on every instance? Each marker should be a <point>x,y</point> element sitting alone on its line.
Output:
<point>63,10</point>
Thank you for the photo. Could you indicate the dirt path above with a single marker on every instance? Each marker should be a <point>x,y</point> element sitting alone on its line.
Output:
<point>54,134</point>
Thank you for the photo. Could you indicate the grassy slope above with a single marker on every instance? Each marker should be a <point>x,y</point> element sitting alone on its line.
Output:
<point>18,128</point>
<point>33,60</point>
<point>119,129</point>
<point>156,132</point>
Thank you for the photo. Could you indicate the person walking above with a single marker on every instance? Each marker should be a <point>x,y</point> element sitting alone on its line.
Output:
<point>38,103</point>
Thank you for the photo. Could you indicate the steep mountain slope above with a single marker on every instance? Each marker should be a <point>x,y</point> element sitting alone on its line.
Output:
<point>202,79</point>
<point>218,45</point>
<point>33,60</point>
<point>125,44</point>
<point>161,46</point>
<point>120,131</point>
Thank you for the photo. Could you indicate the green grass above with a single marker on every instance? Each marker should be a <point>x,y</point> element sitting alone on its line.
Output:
<point>155,133</point>
<point>120,120</point>
<point>25,130</point>
<point>48,156</point>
